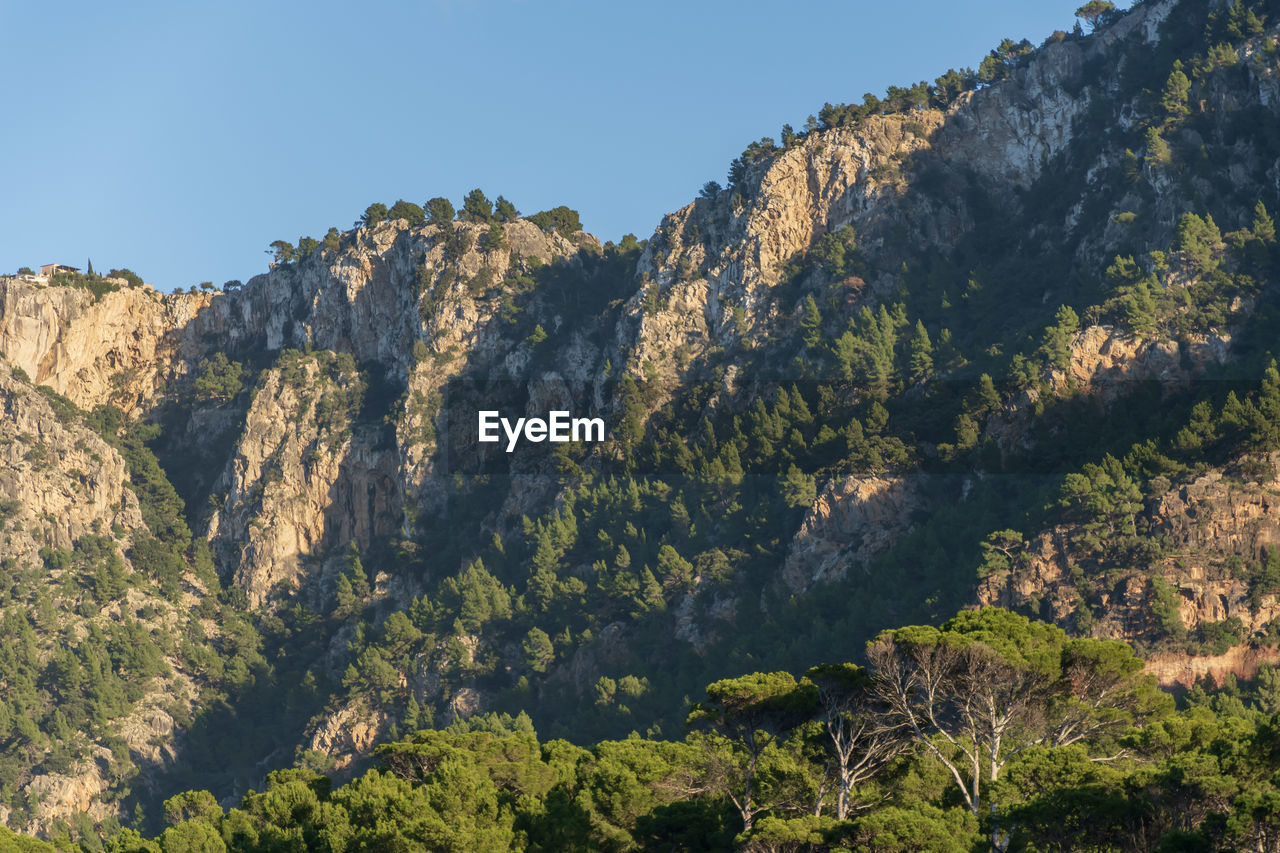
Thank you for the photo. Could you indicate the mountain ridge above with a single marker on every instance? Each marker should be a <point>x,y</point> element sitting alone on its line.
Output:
<point>792,368</point>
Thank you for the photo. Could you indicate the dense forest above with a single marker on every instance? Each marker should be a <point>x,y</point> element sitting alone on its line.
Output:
<point>990,730</point>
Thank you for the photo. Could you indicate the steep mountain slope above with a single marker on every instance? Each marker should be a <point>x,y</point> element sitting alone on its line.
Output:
<point>1002,339</point>
<point>97,671</point>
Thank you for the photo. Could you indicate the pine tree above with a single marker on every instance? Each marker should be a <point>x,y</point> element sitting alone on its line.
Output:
<point>798,488</point>
<point>412,715</point>
<point>545,557</point>
<point>476,207</point>
<point>1198,240</point>
<point>987,397</point>
<point>440,212</point>
<point>1264,227</point>
<point>1176,89</point>
<point>495,238</point>
<point>1158,152</point>
<point>505,211</point>
<point>921,360</point>
<point>1132,167</point>
<point>650,597</point>
<point>1056,345</point>
<point>811,322</point>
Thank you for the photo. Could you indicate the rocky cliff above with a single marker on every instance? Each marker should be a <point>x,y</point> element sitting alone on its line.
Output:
<point>827,387</point>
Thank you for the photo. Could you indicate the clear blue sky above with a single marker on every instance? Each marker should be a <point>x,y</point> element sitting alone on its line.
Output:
<point>180,139</point>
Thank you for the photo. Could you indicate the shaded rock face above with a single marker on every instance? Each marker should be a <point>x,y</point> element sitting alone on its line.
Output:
<point>719,257</point>
<point>412,311</point>
<point>1009,132</point>
<point>416,313</point>
<point>1105,366</point>
<point>148,733</point>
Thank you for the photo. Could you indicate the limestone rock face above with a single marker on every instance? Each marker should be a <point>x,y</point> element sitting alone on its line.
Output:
<point>708,277</point>
<point>63,794</point>
<point>1009,132</point>
<point>1104,360</point>
<point>1185,671</point>
<point>413,311</point>
<point>710,267</point>
<point>1208,521</point>
<point>852,521</point>
<point>119,348</point>
<point>1215,513</point>
<point>305,478</point>
<point>1105,365</point>
<point>349,733</point>
<point>353,355</point>
<point>61,484</point>
<point>61,480</point>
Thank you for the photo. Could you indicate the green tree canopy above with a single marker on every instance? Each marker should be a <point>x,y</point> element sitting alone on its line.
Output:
<point>505,211</point>
<point>440,212</point>
<point>476,207</point>
<point>990,684</point>
<point>751,713</point>
<point>282,252</point>
<point>373,214</point>
<point>409,211</point>
<point>561,219</point>
<point>218,378</point>
<point>1095,13</point>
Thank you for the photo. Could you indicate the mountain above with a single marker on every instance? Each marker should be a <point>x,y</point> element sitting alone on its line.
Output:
<point>1003,339</point>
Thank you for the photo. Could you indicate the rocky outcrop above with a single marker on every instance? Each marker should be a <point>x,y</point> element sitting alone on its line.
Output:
<point>1223,514</point>
<point>711,267</point>
<point>61,484</point>
<point>1105,365</point>
<point>412,309</point>
<point>355,353</point>
<point>1105,360</point>
<point>306,477</point>
<point>149,734</point>
<point>853,521</point>
<point>1185,671</point>
<point>706,278</point>
<point>60,795</point>
<point>1009,132</point>
<point>58,480</point>
<point>1204,524</point>
<point>120,348</point>
<point>349,733</point>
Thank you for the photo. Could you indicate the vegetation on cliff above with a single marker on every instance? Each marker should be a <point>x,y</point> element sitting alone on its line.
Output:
<point>991,730</point>
<point>1042,375</point>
